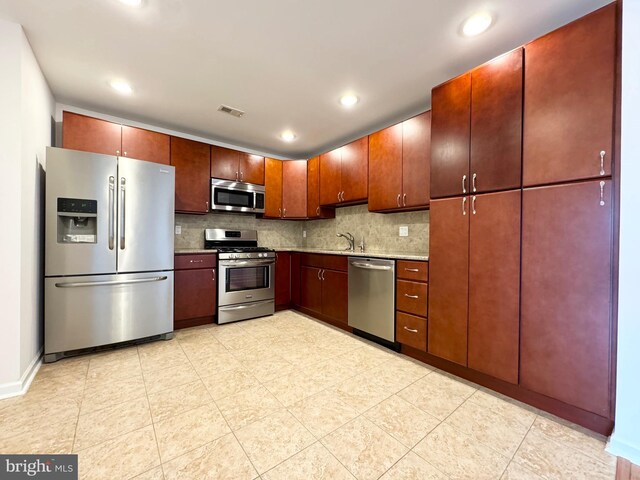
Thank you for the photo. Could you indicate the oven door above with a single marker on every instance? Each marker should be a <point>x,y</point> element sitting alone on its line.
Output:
<point>243,281</point>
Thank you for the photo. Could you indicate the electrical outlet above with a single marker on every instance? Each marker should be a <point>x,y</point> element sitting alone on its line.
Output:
<point>178,229</point>
<point>404,231</point>
<point>304,234</point>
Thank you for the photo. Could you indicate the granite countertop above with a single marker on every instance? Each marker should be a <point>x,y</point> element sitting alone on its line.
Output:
<point>397,256</point>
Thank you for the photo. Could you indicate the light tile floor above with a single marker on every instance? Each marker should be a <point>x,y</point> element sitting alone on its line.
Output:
<point>285,397</point>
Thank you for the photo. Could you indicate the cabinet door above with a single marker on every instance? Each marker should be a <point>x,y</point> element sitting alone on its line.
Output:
<point>294,189</point>
<point>450,133</point>
<point>449,279</point>
<point>494,284</point>
<point>90,134</point>
<point>385,169</point>
<point>335,287</point>
<point>295,279</point>
<point>195,294</point>
<point>354,170</point>
<point>251,168</point>
<point>225,163</point>
<point>416,156</point>
<point>330,177</point>
<point>311,288</point>
<point>192,163</point>
<point>146,145</point>
<point>496,124</point>
<point>273,188</point>
<point>283,279</point>
<point>566,293</point>
<point>313,187</point>
<point>569,86</point>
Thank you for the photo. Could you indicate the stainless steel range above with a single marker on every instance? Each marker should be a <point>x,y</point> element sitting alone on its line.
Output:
<point>246,274</point>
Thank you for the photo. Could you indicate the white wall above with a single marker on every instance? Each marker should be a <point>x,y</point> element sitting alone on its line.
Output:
<point>26,117</point>
<point>625,441</point>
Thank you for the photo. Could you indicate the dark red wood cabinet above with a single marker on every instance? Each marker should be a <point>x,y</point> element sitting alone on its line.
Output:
<point>195,290</point>
<point>191,160</point>
<point>569,81</point>
<point>314,210</point>
<point>399,165</point>
<point>311,288</point>
<point>273,188</point>
<point>146,145</point>
<point>566,293</point>
<point>294,189</point>
<point>324,287</point>
<point>344,174</point>
<point>237,166</point>
<point>283,280</point>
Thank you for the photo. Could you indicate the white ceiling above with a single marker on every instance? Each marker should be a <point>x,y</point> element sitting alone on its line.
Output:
<point>285,62</point>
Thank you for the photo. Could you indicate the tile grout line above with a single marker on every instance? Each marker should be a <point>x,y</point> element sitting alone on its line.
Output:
<point>84,389</point>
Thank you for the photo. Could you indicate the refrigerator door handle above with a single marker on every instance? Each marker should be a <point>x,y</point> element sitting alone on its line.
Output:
<point>111,282</point>
<point>112,206</point>
<point>123,182</point>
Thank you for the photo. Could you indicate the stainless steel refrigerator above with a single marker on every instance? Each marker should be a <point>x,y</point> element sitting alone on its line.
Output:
<point>108,251</point>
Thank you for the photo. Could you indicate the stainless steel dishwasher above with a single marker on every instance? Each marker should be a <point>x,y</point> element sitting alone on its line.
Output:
<point>372,294</point>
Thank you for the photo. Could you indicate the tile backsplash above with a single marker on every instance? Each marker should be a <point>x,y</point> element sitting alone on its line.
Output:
<point>380,231</point>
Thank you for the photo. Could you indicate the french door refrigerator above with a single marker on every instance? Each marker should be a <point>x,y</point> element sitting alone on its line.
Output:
<point>108,251</point>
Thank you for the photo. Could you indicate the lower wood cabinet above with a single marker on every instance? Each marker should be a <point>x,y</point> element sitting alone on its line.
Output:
<point>566,293</point>
<point>412,291</point>
<point>411,330</point>
<point>324,291</point>
<point>195,290</point>
<point>283,280</point>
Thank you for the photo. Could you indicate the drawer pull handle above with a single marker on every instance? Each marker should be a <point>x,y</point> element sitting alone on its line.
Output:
<point>411,296</point>
<point>410,330</point>
<point>196,261</point>
<point>412,269</point>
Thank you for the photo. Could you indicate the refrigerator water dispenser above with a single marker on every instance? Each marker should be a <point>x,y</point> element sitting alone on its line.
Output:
<point>77,220</point>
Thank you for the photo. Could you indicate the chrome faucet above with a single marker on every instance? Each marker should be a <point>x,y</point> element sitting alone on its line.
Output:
<point>350,239</point>
<point>362,245</point>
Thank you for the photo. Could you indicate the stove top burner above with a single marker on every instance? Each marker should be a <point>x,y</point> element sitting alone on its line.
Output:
<point>242,249</point>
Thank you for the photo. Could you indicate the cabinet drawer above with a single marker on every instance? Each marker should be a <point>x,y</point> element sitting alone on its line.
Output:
<point>312,260</point>
<point>335,262</point>
<point>411,297</point>
<point>417,271</point>
<point>411,330</point>
<point>189,262</point>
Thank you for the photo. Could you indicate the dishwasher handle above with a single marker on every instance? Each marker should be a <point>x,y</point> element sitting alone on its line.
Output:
<point>369,266</point>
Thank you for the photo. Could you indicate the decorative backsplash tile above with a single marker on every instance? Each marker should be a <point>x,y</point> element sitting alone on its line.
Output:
<point>380,231</point>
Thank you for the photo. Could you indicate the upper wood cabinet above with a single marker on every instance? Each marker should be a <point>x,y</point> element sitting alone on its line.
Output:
<point>399,165</point>
<point>192,162</point>
<point>88,134</point>
<point>496,124</point>
<point>344,174</point>
<point>314,210</point>
<point>566,293</point>
<point>273,188</point>
<point>450,133</point>
<point>294,189</point>
<point>569,83</point>
<point>237,166</point>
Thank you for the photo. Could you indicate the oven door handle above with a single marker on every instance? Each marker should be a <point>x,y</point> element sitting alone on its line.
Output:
<point>244,307</point>
<point>235,263</point>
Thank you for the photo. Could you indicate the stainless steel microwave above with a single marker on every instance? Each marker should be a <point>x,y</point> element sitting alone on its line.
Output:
<point>229,196</point>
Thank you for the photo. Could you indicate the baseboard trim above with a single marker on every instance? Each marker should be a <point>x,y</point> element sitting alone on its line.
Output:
<point>13,389</point>
<point>623,449</point>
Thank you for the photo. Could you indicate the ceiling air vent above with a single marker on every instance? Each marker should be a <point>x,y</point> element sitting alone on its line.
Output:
<point>231,111</point>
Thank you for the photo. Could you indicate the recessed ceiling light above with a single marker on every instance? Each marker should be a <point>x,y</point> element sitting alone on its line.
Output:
<point>121,87</point>
<point>476,24</point>
<point>348,100</point>
<point>288,136</point>
<point>131,3</point>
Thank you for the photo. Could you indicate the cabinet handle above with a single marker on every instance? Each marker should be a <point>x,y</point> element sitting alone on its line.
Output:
<point>404,200</point>
<point>411,296</point>
<point>125,154</point>
<point>398,200</point>
<point>284,213</point>
<point>236,176</point>
<point>196,261</point>
<point>338,196</point>
<point>602,154</point>
<point>473,182</point>
<point>464,205</point>
<point>242,176</point>
<point>322,275</point>
<point>342,196</point>
<point>319,274</point>
<point>412,269</point>
<point>213,272</point>
<point>464,184</point>
<point>279,212</point>
<point>602,194</point>
<point>207,205</point>
<point>473,204</point>
<point>317,210</point>
<point>117,152</point>
<point>410,330</point>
